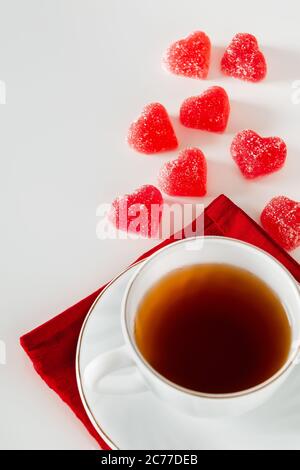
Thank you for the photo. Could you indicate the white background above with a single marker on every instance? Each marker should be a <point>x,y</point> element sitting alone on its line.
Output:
<point>77,72</point>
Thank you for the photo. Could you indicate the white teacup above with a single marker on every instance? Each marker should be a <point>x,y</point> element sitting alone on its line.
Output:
<point>184,253</point>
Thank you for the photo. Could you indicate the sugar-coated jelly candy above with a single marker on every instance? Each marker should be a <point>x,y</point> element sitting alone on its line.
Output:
<point>190,56</point>
<point>185,176</point>
<point>208,111</point>
<point>152,132</point>
<point>243,59</point>
<point>257,156</point>
<point>281,219</point>
<point>139,212</point>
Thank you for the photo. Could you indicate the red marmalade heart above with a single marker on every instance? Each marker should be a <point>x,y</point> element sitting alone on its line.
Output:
<point>257,156</point>
<point>139,212</point>
<point>243,59</point>
<point>152,132</point>
<point>208,111</point>
<point>185,176</point>
<point>281,219</point>
<point>190,56</point>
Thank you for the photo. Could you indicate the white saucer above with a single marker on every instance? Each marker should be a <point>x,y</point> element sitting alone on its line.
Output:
<point>141,421</point>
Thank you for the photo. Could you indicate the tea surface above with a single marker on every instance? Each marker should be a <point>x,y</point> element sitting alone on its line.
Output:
<point>213,328</point>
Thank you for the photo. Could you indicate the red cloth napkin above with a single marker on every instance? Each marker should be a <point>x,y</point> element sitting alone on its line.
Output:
<point>52,346</point>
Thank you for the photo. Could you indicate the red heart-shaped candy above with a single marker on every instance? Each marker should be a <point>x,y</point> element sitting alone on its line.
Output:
<point>185,176</point>
<point>281,219</point>
<point>257,156</point>
<point>190,56</point>
<point>152,132</point>
<point>139,212</point>
<point>243,59</point>
<point>208,111</point>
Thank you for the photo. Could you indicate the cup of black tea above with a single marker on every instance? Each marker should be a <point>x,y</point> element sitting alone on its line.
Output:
<point>212,324</point>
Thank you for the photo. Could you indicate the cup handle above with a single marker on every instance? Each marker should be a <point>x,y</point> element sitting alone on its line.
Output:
<point>107,363</point>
